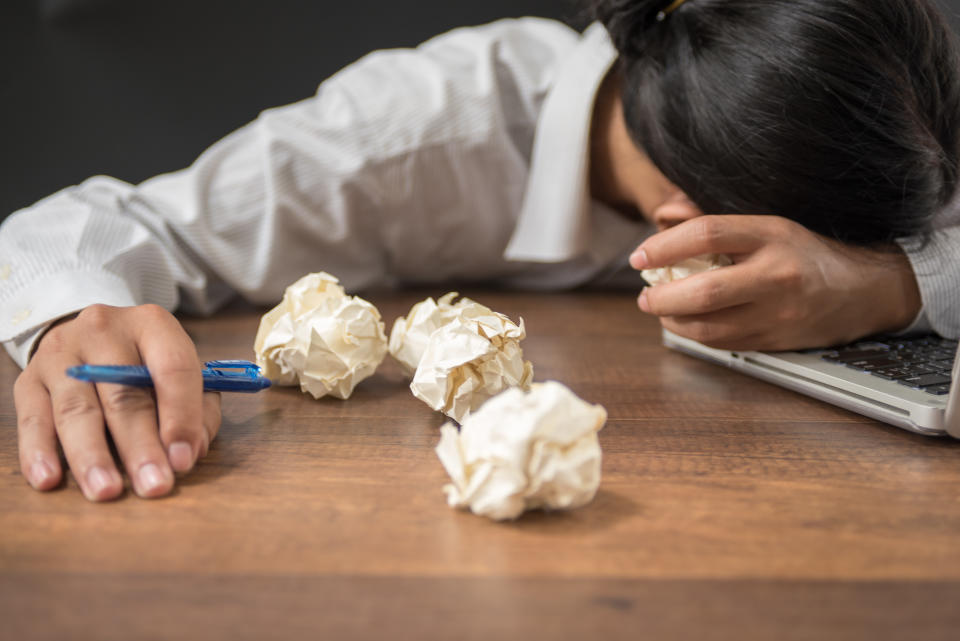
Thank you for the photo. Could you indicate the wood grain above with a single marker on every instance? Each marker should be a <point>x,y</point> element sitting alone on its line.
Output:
<point>729,509</point>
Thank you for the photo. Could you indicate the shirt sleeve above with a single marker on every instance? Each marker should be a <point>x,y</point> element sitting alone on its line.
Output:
<point>344,181</point>
<point>936,265</point>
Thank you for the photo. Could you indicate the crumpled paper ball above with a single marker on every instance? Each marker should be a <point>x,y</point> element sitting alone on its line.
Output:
<point>320,338</point>
<point>460,354</point>
<point>524,451</point>
<point>411,333</point>
<point>685,268</point>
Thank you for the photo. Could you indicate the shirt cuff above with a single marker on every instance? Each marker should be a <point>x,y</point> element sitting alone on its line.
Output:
<point>30,311</point>
<point>21,347</point>
<point>937,270</point>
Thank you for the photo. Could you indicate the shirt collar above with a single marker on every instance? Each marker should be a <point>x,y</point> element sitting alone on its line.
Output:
<point>554,220</point>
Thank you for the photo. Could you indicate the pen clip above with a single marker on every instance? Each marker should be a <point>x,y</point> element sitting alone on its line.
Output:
<point>233,376</point>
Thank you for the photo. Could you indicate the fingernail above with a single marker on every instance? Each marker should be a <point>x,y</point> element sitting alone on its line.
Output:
<point>643,302</point>
<point>181,456</point>
<point>98,480</point>
<point>40,473</point>
<point>638,259</point>
<point>150,478</point>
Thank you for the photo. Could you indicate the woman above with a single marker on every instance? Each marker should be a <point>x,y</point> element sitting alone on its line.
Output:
<point>820,136</point>
<point>841,116</point>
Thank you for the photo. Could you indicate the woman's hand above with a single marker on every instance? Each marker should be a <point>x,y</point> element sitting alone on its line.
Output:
<point>788,288</point>
<point>157,432</point>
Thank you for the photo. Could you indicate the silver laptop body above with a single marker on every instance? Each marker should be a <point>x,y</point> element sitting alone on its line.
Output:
<point>861,392</point>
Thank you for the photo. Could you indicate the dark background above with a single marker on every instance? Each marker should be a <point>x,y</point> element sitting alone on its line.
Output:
<point>133,88</point>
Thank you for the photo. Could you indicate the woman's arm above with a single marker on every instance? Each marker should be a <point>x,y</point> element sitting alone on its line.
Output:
<point>787,289</point>
<point>366,180</point>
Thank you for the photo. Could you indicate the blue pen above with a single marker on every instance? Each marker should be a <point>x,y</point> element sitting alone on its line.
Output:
<point>218,376</point>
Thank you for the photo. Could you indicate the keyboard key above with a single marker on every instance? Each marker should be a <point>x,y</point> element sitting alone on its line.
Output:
<point>926,380</point>
<point>852,355</point>
<point>939,390</point>
<point>868,364</point>
<point>892,373</point>
<point>919,369</point>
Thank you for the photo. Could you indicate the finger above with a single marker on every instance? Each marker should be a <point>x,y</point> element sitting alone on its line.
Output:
<point>176,371</point>
<point>727,234</point>
<point>80,427</point>
<point>129,412</point>
<point>36,434</point>
<point>706,292</point>
<point>727,329</point>
<point>131,418</point>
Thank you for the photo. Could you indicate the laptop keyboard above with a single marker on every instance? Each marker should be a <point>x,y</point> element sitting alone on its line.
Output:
<point>923,363</point>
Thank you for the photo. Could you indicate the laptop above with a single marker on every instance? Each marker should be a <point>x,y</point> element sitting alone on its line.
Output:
<point>910,382</point>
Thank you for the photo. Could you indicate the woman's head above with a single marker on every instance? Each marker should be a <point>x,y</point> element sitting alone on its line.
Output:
<point>839,114</point>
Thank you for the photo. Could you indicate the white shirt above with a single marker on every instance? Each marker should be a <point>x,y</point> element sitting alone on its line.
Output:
<point>464,160</point>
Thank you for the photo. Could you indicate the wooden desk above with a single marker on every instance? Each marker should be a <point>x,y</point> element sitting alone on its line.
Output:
<point>729,509</point>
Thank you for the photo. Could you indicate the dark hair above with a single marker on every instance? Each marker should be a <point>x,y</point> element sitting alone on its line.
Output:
<point>839,114</point>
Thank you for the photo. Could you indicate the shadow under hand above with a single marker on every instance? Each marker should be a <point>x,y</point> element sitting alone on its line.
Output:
<point>234,445</point>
